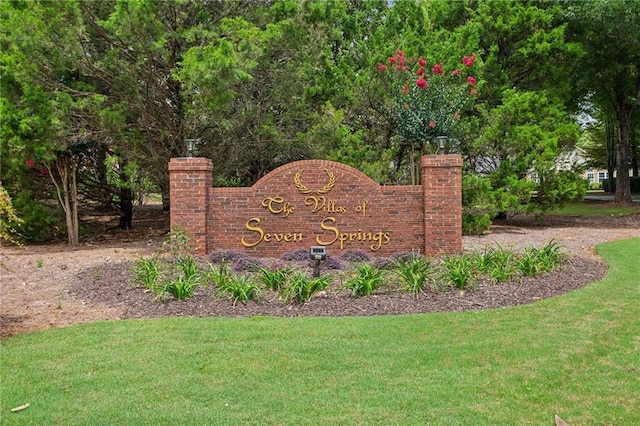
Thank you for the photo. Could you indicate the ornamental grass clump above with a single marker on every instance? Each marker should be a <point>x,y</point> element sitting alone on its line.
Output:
<point>182,287</point>
<point>459,271</point>
<point>148,273</point>
<point>536,261</point>
<point>301,288</point>
<point>414,273</point>
<point>239,288</point>
<point>274,279</point>
<point>366,280</point>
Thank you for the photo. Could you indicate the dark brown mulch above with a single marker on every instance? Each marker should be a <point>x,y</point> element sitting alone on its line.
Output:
<point>109,284</point>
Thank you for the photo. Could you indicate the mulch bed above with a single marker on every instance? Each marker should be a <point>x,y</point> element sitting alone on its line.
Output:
<point>109,284</point>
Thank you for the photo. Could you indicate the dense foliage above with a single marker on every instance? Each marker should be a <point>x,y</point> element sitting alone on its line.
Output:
<point>96,97</point>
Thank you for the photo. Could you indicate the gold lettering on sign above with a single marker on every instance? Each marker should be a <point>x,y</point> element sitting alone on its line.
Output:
<point>378,238</point>
<point>321,203</point>
<point>277,205</point>
<point>260,235</point>
<point>297,181</point>
<point>362,208</point>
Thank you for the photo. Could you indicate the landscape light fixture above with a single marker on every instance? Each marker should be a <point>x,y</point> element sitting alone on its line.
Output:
<point>442,142</point>
<point>190,145</point>
<point>317,253</point>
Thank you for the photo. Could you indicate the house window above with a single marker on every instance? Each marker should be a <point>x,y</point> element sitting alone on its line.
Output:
<point>602,176</point>
<point>590,177</point>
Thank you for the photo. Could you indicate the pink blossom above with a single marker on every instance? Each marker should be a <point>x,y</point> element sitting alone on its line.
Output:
<point>469,60</point>
<point>422,83</point>
<point>437,69</point>
<point>471,80</point>
<point>30,163</point>
<point>405,89</point>
<point>400,53</point>
<point>456,72</point>
<point>432,124</point>
<point>406,105</point>
<point>392,60</point>
<point>43,171</point>
<point>420,71</point>
<point>382,67</point>
<point>422,62</point>
<point>473,92</point>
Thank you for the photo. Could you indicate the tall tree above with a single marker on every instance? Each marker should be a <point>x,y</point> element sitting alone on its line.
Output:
<point>609,74</point>
<point>40,54</point>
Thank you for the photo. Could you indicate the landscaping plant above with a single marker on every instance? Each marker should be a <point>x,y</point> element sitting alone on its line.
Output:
<point>147,273</point>
<point>414,273</point>
<point>459,271</point>
<point>239,288</point>
<point>301,288</point>
<point>274,279</point>
<point>366,279</point>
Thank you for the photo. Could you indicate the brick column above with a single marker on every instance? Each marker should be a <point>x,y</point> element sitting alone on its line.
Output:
<point>442,186</point>
<point>189,182</point>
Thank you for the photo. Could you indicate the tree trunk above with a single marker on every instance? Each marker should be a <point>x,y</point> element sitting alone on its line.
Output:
<point>67,190</point>
<point>623,186</point>
<point>634,153</point>
<point>610,136</point>
<point>126,197</point>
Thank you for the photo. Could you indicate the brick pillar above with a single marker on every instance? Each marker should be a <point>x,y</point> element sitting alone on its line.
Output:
<point>189,182</point>
<point>442,186</point>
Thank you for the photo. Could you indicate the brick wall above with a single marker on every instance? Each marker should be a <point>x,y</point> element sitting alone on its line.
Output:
<point>317,202</point>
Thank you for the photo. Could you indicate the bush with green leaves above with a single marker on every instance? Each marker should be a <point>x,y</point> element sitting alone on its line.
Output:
<point>478,204</point>
<point>366,279</point>
<point>414,273</point>
<point>301,288</point>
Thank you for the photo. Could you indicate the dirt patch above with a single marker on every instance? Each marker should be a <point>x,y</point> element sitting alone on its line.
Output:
<point>54,285</point>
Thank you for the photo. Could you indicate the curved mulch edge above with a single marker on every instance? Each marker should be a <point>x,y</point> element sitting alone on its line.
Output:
<point>107,284</point>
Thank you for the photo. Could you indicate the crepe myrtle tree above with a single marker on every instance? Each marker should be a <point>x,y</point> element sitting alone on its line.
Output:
<point>426,101</point>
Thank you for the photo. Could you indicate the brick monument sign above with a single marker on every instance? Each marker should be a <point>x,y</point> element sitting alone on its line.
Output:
<point>319,203</point>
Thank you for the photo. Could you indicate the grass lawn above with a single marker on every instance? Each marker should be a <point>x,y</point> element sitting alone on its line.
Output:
<point>576,355</point>
<point>595,208</point>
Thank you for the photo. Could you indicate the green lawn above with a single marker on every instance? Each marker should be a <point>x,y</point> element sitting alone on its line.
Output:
<point>595,208</point>
<point>576,355</point>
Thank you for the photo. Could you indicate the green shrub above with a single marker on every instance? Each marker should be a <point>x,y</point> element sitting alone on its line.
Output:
<point>478,204</point>
<point>634,182</point>
<point>365,281</point>
<point>473,224</point>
